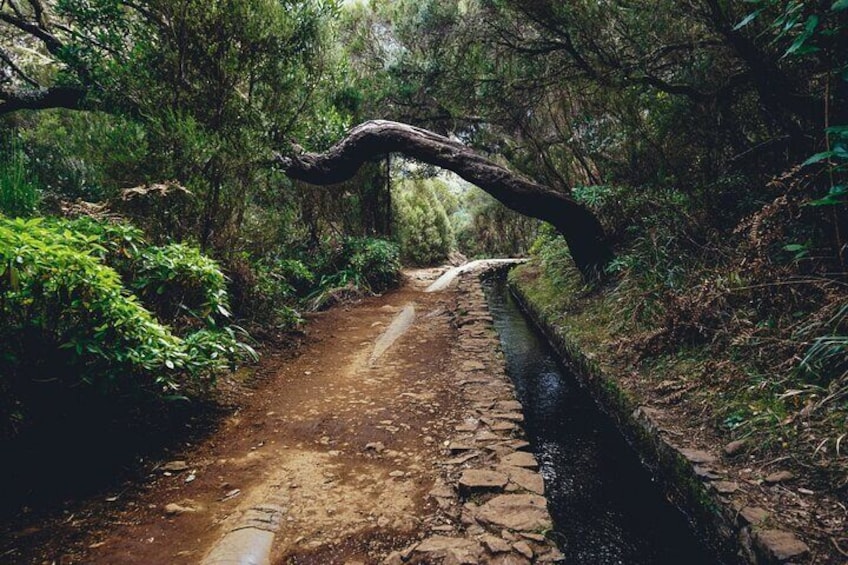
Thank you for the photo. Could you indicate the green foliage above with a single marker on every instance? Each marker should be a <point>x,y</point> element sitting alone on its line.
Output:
<point>552,251</point>
<point>68,319</point>
<point>87,155</point>
<point>374,263</point>
<point>423,227</point>
<point>176,279</point>
<point>19,193</point>
<point>359,265</point>
<point>270,289</point>
<point>487,228</point>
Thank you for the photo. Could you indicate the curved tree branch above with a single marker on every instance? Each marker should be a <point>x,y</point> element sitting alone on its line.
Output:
<point>581,229</point>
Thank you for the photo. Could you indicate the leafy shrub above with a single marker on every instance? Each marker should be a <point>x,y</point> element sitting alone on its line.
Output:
<point>267,291</point>
<point>176,281</point>
<point>374,262</point>
<point>359,265</point>
<point>70,325</point>
<point>424,230</point>
<point>117,244</point>
<point>552,251</point>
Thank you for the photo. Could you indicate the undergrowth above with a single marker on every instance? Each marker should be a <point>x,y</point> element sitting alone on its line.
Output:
<point>73,327</point>
<point>747,332</point>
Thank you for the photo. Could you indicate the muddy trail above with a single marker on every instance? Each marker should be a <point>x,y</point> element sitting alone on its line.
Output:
<point>393,436</point>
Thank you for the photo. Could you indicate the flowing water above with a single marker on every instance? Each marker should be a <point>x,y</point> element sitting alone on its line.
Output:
<point>605,506</point>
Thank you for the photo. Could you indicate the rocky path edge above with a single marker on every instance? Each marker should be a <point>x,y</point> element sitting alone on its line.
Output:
<point>490,495</point>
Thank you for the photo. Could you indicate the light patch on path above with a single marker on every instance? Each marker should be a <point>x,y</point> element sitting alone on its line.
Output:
<point>446,279</point>
<point>399,326</point>
<point>309,495</point>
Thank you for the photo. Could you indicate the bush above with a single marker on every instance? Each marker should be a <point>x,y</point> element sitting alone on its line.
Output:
<point>423,227</point>
<point>181,285</point>
<point>266,292</point>
<point>360,265</point>
<point>69,326</point>
<point>375,263</point>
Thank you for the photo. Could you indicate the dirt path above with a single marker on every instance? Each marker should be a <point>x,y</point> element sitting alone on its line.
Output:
<point>354,450</point>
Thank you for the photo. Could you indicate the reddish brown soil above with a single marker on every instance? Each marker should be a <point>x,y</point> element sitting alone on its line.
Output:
<point>298,437</point>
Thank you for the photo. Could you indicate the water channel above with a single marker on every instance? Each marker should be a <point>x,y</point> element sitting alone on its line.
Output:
<point>605,506</point>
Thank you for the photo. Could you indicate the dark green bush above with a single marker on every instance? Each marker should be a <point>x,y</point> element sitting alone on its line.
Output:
<point>359,265</point>
<point>267,292</point>
<point>423,227</point>
<point>69,324</point>
<point>181,285</point>
<point>375,263</point>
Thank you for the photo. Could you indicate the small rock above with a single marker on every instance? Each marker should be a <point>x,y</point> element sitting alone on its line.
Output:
<point>174,509</point>
<point>174,467</point>
<point>725,487</point>
<point>521,459</point>
<point>460,446</point>
<point>735,447</point>
<point>509,406</point>
<point>520,512</point>
<point>539,538</point>
<point>502,426</point>
<point>232,494</point>
<point>375,446</point>
<point>396,474</point>
<point>474,480</point>
<point>516,444</point>
<point>468,426</point>
<point>697,456</point>
<point>495,544</point>
<point>451,550</point>
<point>382,522</point>
<point>781,545</point>
<point>780,477</point>
<point>511,416</point>
<point>524,478</point>
<point>753,515</point>
<point>524,549</point>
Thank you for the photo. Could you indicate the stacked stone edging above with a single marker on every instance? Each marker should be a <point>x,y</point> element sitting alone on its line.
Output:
<point>490,505</point>
<point>738,534</point>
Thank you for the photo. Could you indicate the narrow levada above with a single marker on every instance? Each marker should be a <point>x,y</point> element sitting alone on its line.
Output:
<point>605,506</point>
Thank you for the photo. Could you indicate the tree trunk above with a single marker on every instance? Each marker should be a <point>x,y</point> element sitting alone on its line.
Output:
<point>580,228</point>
